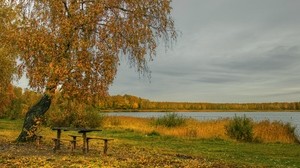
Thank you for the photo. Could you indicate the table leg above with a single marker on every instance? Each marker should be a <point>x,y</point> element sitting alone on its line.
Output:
<point>84,142</point>
<point>105,147</point>
<point>58,139</point>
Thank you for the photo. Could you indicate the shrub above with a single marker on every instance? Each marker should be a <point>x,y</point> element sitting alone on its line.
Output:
<point>59,118</point>
<point>170,120</point>
<point>88,119</point>
<point>153,133</point>
<point>74,115</point>
<point>240,128</point>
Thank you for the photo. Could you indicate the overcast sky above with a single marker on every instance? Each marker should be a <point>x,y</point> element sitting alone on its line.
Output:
<point>229,51</point>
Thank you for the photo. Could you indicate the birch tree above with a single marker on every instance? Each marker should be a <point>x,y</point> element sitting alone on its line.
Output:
<point>75,46</point>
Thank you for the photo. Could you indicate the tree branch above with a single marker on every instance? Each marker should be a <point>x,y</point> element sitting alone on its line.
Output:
<point>66,8</point>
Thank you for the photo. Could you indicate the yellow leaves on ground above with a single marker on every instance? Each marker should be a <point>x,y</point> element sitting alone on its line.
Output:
<point>121,155</point>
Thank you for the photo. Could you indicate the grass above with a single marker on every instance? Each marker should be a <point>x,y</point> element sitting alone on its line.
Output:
<point>140,144</point>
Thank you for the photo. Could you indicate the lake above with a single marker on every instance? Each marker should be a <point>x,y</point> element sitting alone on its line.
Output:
<point>291,117</point>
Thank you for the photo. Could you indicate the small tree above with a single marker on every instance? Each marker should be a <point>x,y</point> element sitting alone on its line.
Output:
<point>74,45</point>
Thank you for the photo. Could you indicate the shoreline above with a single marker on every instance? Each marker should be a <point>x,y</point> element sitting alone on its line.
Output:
<point>175,110</point>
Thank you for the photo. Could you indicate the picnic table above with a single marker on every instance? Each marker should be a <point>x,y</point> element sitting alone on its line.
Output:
<point>83,131</point>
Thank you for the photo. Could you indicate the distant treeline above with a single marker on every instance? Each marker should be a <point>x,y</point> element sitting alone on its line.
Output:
<point>16,101</point>
<point>133,103</point>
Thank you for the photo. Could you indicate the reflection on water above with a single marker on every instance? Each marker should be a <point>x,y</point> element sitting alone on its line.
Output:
<point>291,117</point>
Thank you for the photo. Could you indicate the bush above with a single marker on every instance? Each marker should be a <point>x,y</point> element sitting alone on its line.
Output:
<point>170,120</point>
<point>74,115</point>
<point>240,128</point>
<point>153,133</point>
<point>88,119</point>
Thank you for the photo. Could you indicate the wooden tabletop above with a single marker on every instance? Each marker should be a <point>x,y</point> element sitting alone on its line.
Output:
<point>80,130</point>
<point>87,130</point>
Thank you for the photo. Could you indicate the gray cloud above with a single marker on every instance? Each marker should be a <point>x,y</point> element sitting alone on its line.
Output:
<point>280,59</point>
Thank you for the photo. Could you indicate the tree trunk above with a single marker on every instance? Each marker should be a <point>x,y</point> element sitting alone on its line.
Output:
<point>33,119</point>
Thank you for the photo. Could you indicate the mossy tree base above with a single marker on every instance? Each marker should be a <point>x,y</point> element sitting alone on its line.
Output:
<point>33,118</point>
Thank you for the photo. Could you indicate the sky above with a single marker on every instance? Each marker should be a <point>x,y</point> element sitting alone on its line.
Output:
<point>228,51</point>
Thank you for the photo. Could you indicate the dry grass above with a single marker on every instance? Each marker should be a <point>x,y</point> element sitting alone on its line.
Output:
<point>192,128</point>
<point>196,129</point>
<point>274,132</point>
<point>265,131</point>
<point>139,124</point>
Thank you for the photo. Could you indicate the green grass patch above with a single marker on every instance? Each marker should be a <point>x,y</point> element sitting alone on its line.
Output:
<point>251,154</point>
<point>7,124</point>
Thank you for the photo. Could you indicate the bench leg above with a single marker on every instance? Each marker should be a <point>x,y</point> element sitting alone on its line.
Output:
<point>38,141</point>
<point>55,145</point>
<point>74,142</point>
<point>87,145</point>
<point>73,145</point>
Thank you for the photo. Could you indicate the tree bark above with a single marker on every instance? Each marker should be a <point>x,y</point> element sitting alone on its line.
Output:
<point>33,118</point>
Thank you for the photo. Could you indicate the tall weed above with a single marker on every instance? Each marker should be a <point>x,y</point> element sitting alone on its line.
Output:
<point>270,131</point>
<point>170,120</point>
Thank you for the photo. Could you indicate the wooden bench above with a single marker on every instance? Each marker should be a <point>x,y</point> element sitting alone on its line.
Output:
<point>75,140</point>
<point>105,143</point>
<point>58,143</point>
